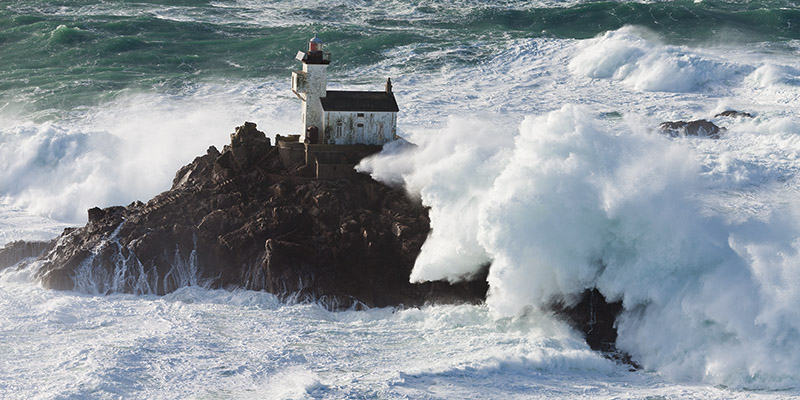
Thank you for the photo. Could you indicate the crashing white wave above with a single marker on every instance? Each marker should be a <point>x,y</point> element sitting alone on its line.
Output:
<point>573,204</point>
<point>124,151</point>
<point>771,74</point>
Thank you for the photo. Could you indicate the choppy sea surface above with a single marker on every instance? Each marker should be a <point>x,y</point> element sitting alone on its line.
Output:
<point>538,151</point>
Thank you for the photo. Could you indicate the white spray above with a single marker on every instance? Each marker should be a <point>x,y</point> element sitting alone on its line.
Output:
<point>575,205</point>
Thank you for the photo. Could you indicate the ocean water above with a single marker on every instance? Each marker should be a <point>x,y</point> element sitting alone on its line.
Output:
<point>538,151</point>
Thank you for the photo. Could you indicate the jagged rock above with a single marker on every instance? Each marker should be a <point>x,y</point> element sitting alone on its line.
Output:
<point>95,214</point>
<point>595,316</point>
<point>200,171</point>
<point>248,146</point>
<point>699,127</point>
<point>734,114</point>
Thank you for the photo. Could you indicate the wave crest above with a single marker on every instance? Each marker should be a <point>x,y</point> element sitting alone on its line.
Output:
<point>635,57</point>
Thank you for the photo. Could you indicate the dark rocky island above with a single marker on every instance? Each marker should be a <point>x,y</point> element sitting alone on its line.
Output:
<point>240,218</point>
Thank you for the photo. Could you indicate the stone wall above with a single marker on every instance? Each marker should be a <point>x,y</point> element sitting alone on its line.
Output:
<point>291,150</point>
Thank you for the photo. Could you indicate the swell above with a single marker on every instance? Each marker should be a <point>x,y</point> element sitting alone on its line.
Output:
<point>73,55</point>
<point>678,21</point>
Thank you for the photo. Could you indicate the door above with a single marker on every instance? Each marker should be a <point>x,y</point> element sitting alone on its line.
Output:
<point>359,133</point>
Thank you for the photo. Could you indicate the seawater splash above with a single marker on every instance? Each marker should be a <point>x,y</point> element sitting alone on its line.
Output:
<point>775,74</point>
<point>575,203</point>
<point>450,172</point>
<point>126,150</point>
<point>124,272</point>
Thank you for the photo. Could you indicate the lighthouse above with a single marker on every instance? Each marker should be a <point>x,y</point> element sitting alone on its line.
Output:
<point>340,117</point>
<point>310,85</point>
<point>340,127</point>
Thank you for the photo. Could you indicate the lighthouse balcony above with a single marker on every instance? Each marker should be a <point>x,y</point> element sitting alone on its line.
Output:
<point>317,57</point>
<point>299,82</point>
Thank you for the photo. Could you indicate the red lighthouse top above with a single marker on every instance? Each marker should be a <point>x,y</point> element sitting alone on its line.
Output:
<point>315,55</point>
<point>315,44</point>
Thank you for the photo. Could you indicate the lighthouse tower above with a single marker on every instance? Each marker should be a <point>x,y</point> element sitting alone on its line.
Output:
<point>310,85</point>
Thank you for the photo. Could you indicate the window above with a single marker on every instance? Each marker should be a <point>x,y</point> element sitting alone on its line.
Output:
<point>360,115</point>
<point>339,129</point>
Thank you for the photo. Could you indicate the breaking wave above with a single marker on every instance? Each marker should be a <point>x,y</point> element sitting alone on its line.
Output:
<point>126,150</point>
<point>568,204</point>
<point>635,57</point>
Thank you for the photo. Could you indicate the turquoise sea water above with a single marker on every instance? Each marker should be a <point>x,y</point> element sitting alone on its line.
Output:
<point>57,56</point>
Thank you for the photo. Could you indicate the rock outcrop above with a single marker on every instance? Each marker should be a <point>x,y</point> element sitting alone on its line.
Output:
<point>734,114</point>
<point>596,318</point>
<point>238,219</point>
<point>698,127</point>
<point>14,252</point>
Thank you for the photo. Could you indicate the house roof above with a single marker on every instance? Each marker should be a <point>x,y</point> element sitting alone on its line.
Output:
<point>339,100</point>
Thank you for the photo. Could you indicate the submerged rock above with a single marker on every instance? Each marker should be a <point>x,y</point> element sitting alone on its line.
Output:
<point>238,219</point>
<point>699,127</point>
<point>734,114</point>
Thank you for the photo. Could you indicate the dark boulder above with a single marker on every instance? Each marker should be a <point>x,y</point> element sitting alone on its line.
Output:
<point>734,114</point>
<point>596,317</point>
<point>699,127</point>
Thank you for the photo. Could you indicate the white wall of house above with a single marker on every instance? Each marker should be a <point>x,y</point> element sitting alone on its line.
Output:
<point>353,127</point>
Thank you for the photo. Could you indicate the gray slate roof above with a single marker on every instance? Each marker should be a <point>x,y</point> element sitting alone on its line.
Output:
<point>339,100</point>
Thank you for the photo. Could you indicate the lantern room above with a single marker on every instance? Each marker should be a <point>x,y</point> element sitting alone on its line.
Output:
<point>315,44</point>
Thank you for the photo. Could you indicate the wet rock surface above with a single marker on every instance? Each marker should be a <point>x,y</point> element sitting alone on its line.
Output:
<point>734,114</point>
<point>15,252</point>
<point>596,317</point>
<point>699,127</point>
<point>236,219</point>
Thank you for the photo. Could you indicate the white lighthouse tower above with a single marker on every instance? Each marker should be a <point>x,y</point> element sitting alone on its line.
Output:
<point>310,85</point>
